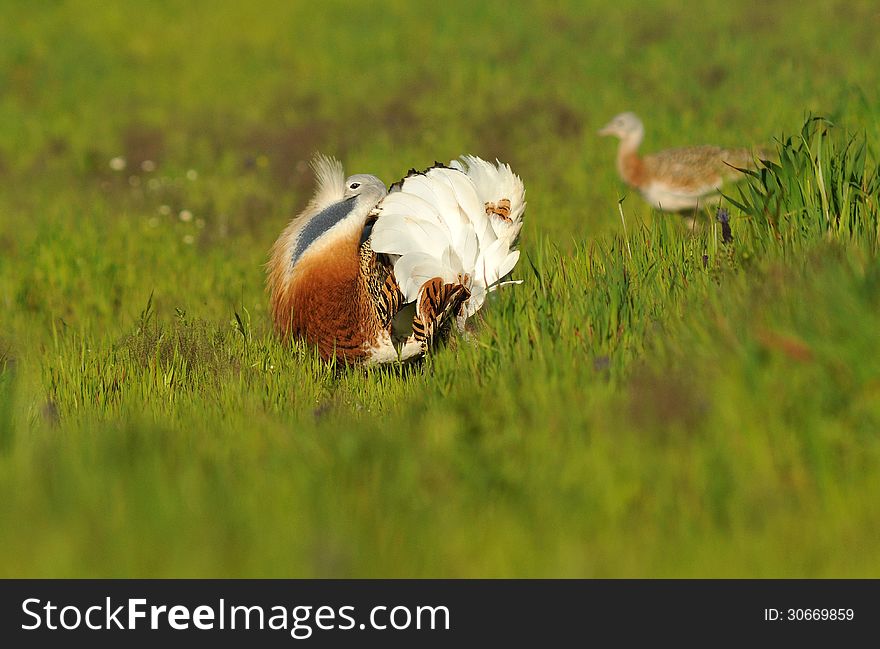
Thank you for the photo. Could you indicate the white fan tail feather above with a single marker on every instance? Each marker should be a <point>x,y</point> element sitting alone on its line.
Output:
<point>495,182</point>
<point>400,235</point>
<point>439,197</point>
<point>470,208</point>
<point>413,269</point>
<point>437,225</point>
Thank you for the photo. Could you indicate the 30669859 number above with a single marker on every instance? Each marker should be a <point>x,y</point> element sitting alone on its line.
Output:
<point>809,614</point>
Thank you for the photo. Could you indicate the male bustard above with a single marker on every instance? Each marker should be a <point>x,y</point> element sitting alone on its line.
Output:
<point>370,275</point>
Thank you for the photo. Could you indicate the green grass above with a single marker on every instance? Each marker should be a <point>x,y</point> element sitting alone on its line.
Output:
<point>657,405</point>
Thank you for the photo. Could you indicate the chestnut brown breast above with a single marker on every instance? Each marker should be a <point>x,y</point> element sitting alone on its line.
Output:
<point>327,304</point>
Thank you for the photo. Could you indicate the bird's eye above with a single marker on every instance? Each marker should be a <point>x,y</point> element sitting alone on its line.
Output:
<point>354,185</point>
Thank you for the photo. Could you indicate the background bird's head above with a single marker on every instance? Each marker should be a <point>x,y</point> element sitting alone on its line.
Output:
<point>627,126</point>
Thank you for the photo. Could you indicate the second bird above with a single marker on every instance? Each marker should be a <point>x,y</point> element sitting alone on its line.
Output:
<point>675,180</point>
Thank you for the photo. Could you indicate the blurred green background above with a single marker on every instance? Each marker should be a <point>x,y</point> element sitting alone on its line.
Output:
<point>673,409</point>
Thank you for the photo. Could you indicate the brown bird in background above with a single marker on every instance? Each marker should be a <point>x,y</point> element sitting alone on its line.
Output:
<point>676,180</point>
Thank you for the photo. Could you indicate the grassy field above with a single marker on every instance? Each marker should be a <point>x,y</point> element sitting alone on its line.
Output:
<point>653,404</point>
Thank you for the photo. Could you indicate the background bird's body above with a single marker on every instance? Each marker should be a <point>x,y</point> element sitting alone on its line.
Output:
<point>674,180</point>
<point>345,269</point>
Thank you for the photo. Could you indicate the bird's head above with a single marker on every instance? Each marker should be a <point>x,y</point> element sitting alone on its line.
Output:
<point>626,126</point>
<point>364,187</point>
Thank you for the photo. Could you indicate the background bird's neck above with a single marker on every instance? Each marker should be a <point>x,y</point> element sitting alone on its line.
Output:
<point>629,163</point>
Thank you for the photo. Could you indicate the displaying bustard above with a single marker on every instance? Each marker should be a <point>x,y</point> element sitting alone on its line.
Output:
<point>370,275</point>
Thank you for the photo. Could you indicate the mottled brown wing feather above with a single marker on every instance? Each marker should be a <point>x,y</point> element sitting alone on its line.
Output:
<point>694,167</point>
<point>385,294</point>
<point>436,304</point>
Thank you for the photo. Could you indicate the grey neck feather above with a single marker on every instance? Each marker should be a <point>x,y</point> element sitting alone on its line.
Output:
<point>320,223</point>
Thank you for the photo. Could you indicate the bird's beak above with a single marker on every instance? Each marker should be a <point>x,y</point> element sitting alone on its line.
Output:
<point>606,130</point>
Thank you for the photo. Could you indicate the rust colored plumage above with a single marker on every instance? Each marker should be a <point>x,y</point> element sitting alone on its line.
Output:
<point>330,302</point>
<point>632,168</point>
